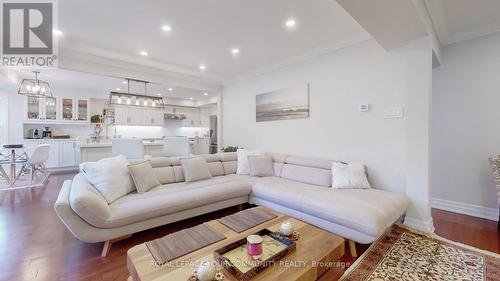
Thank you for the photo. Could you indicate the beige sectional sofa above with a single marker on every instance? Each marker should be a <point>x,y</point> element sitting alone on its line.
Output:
<point>300,187</point>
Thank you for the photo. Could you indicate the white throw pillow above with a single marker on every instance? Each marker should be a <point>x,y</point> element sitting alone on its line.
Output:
<point>261,165</point>
<point>243,167</point>
<point>195,169</point>
<point>144,176</point>
<point>352,175</point>
<point>110,176</point>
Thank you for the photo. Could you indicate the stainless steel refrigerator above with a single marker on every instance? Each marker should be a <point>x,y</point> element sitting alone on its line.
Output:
<point>213,134</point>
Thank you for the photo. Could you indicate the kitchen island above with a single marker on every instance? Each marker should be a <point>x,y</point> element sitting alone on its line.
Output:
<point>89,151</point>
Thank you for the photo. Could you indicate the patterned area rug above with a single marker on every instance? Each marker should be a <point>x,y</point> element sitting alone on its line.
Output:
<point>405,254</point>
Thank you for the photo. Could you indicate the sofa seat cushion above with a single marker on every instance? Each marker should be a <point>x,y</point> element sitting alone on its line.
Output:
<point>369,211</point>
<point>169,199</point>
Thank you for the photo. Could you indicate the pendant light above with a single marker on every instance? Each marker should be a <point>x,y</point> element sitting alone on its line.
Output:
<point>141,100</point>
<point>35,87</point>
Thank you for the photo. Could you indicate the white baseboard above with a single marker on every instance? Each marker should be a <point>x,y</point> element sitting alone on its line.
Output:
<point>465,209</point>
<point>420,224</point>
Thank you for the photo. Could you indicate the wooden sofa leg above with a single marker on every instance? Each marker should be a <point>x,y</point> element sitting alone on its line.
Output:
<point>352,248</point>
<point>109,243</point>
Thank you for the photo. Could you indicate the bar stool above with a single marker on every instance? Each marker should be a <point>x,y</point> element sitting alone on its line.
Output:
<point>176,146</point>
<point>130,148</point>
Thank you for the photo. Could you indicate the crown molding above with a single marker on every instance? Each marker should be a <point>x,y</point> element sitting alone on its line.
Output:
<point>437,16</point>
<point>353,40</point>
<point>471,34</point>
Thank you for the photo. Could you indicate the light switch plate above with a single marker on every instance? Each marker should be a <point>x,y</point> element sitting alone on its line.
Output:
<point>364,107</point>
<point>396,112</point>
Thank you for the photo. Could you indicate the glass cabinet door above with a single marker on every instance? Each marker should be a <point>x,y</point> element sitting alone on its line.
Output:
<point>33,111</point>
<point>50,108</point>
<point>82,110</point>
<point>67,109</point>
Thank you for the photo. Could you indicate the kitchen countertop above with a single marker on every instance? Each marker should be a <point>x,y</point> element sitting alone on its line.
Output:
<point>49,140</point>
<point>85,144</point>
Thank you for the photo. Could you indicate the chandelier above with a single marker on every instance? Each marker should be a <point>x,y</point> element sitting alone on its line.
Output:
<point>141,100</point>
<point>35,87</point>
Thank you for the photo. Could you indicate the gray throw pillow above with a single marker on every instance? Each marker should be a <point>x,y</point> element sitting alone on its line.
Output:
<point>144,176</point>
<point>195,169</point>
<point>261,165</point>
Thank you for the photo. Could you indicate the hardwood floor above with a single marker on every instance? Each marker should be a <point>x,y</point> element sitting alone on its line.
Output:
<point>35,245</point>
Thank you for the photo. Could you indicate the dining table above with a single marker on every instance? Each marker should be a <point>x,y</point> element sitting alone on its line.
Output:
<point>17,156</point>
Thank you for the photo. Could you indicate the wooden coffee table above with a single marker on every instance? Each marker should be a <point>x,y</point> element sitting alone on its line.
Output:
<point>317,252</point>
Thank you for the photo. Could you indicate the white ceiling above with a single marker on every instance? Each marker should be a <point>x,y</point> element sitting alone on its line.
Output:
<point>65,79</point>
<point>457,20</point>
<point>204,32</point>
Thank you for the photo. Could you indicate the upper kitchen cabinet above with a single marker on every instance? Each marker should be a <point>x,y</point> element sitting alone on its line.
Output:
<point>56,110</point>
<point>192,117</point>
<point>138,116</point>
<point>76,110</point>
<point>40,110</point>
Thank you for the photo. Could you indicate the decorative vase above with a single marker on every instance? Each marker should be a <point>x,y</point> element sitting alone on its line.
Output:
<point>206,271</point>
<point>286,228</point>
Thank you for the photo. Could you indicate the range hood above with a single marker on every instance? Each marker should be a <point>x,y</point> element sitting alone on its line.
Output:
<point>175,116</point>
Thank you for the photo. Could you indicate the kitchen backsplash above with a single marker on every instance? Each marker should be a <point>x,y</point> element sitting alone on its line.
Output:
<point>171,128</point>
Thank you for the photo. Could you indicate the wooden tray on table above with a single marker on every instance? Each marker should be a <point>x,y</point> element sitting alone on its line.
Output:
<point>235,259</point>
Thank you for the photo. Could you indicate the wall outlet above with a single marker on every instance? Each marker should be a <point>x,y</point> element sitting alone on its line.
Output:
<point>364,107</point>
<point>396,112</point>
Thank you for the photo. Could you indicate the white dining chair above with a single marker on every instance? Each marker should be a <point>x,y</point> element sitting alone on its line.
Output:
<point>4,160</point>
<point>176,146</point>
<point>130,148</point>
<point>36,163</point>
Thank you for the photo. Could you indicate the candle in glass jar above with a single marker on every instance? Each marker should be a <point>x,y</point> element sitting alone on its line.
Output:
<point>254,245</point>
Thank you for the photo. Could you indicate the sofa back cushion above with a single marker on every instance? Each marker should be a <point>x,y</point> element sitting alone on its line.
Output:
<point>165,174</point>
<point>307,170</point>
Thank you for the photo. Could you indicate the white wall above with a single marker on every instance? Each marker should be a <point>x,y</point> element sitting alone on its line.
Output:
<point>466,123</point>
<point>4,118</point>
<point>339,82</point>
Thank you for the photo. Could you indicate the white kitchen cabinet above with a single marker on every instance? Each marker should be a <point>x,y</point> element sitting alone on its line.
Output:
<point>128,116</point>
<point>75,110</point>
<point>152,117</point>
<point>67,154</point>
<point>204,117</point>
<point>41,109</point>
<point>121,116</point>
<point>192,117</point>
<point>203,145</point>
<point>139,116</point>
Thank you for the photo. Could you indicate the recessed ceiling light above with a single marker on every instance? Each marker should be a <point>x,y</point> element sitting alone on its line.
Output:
<point>166,27</point>
<point>118,89</point>
<point>235,51</point>
<point>57,32</point>
<point>191,98</point>
<point>144,53</point>
<point>290,23</point>
<point>202,67</point>
<point>205,94</point>
<point>124,82</point>
<point>159,94</point>
<point>170,89</point>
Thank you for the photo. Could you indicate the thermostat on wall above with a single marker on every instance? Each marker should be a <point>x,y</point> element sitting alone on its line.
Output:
<point>364,107</point>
